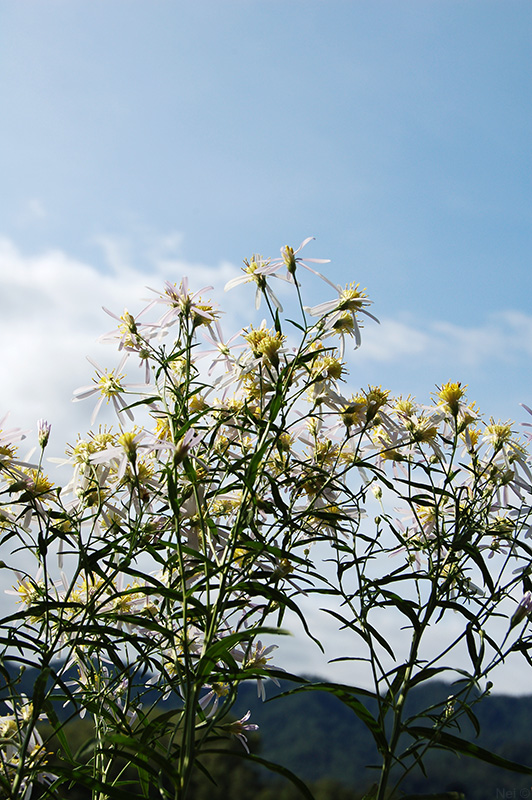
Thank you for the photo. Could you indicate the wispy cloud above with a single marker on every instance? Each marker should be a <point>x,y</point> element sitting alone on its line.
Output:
<point>51,317</point>
<point>505,337</point>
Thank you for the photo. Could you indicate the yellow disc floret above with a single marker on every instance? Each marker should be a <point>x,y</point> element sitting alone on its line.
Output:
<point>265,343</point>
<point>450,396</point>
<point>352,298</point>
<point>498,434</point>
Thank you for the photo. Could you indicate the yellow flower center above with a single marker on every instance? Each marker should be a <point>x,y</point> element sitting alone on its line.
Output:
<point>450,395</point>
<point>265,343</point>
<point>110,384</point>
<point>498,434</point>
<point>328,367</point>
<point>422,430</point>
<point>351,298</point>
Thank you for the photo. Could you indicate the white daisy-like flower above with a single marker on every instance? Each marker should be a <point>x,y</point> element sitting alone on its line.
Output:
<point>240,727</point>
<point>179,301</point>
<point>291,260</point>
<point>257,658</point>
<point>257,270</point>
<point>222,349</point>
<point>340,315</point>
<point>111,388</point>
<point>130,446</point>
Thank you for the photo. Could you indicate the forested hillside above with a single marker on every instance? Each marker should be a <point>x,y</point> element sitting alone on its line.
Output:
<point>318,738</point>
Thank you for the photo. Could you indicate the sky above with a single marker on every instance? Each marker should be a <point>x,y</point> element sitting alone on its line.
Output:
<point>143,140</point>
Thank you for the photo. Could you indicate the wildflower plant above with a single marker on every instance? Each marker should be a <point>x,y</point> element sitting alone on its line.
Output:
<point>162,574</point>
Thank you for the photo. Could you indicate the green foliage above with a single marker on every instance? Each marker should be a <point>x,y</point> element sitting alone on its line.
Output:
<point>183,541</point>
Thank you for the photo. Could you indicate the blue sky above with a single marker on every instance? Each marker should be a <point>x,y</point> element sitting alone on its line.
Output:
<point>146,139</point>
<point>397,133</point>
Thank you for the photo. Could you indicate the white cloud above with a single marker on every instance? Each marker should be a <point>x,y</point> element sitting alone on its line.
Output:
<point>51,316</point>
<point>391,340</point>
<point>503,337</point>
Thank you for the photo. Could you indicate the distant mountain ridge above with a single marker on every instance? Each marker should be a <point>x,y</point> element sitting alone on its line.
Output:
<point>317,737</point>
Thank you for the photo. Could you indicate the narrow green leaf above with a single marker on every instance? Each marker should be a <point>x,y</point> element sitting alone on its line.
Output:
<point>270,765</point>
<point>458,745</point>
<point>346,695</point>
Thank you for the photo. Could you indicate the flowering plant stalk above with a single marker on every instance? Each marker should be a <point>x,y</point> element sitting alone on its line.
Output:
<point>158,578</point>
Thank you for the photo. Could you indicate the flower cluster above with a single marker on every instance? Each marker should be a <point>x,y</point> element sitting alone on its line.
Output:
<point>187,531</point>
<point>23,757</point>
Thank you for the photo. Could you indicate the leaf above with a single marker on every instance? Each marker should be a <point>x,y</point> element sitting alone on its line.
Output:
<point>420,500</point>
<point>407,607</point>
<point>58,731</point>
<point>382,641</point>
<point>254,588</point>
<point>302,329</point>
<point>83,775</point>
<point>395,685</point>
<point>345,622</point>
<point>346,695</point>
<point>277,322</point>
<point>220,650</point>
<point>470,640</point>
<point>434,490</point>
<point>472,717</point>
<point>426,674</point>
<point>271,765</point>
<point>474,553</point>
<point>320,686</point>
<point>458,745</point>
<point>366,635</point>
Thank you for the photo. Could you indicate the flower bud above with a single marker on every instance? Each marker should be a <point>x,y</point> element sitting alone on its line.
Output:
<point>43,432</point>
<point>523,610</point>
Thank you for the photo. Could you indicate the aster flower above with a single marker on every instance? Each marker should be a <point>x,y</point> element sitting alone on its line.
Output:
<point>327,369</point>
<point>415,546</point>
<point>335,313</point>
<point>126,601</point>
<point>180,301</point>
<point>501,528</point>
<point>28,590</point>
<point>239,728</point>
<point>216,693</point>
<point>257,657</point>
<point>257,270</point>
<point>423,429</point>
<point>292,261</point>
<point>129,334</point>
<point>449,398</point>
<point>43,432</point>
<point>522,611</point>
<point>31,482</point>
<point>110,386</point>
<point>187,443</point>
<point>19,741</point>
<point>508,458</point>
<point>222,349</point>
<point>86,475</point>
<point>132,336</point>
<point>8,439</point>
<point>265,344</point>
<point>499,435</point>
<point>129,446</point>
